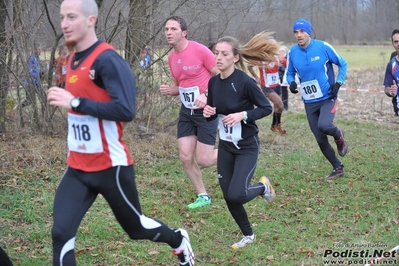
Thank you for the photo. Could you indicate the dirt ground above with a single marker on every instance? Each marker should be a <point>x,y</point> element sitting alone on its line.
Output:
<point>362,105</point>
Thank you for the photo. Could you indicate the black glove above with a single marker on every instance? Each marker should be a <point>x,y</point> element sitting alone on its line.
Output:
<point>293,87</point>
<point>333,90</point>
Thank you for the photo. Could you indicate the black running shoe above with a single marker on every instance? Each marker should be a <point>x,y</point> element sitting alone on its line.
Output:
<point>342,146</point>
<point>336,172</point>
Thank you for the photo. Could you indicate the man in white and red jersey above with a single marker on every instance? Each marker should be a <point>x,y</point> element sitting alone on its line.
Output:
<point>99,96</point>
<point>191,66</point>
<point>269,81</point>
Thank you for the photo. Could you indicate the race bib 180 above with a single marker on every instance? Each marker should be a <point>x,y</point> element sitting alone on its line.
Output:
<point>311,90</point>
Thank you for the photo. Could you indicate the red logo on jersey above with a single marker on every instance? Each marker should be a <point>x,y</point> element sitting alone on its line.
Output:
<point>82,147</point>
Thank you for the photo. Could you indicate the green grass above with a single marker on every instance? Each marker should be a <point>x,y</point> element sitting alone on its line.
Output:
<point>365,57</point>
<point>309,216</point>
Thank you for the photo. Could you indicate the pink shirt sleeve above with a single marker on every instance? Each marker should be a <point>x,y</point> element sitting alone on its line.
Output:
<point>208,57</point>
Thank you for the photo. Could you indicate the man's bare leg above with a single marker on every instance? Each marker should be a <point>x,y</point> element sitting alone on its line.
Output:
<point>206,156</point>
<point>187,147</point>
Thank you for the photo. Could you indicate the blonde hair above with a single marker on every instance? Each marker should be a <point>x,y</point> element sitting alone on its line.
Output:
<point>261,47</point>
<point>284,49</point>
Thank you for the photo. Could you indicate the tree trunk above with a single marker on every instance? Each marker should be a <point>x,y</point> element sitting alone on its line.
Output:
<point>4,79</point>
<point>137,31</point>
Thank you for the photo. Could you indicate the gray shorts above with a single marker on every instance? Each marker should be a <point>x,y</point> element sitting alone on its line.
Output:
<point>193,122</point>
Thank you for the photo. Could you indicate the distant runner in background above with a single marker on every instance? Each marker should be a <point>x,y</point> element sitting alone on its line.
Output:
<point>60,66</point>
<point>33,81</point>
<point>269,81</point>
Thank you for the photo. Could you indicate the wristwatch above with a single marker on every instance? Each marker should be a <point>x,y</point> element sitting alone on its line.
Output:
<point>75,102</point>
<point>245,117</point>
<point>206,93</point>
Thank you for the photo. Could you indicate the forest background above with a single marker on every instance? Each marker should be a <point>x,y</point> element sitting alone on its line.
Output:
<point>309,216</point>
<point>130,25</point>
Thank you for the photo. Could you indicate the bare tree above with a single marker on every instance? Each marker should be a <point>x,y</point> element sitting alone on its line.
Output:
<point>137,30</point>
<point>131,25</point>
<point>4,51</point>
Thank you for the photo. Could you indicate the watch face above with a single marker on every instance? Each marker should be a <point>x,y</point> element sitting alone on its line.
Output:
<point>75,102</point>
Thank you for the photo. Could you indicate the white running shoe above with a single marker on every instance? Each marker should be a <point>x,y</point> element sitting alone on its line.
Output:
<point>244,241</point>
<point>184,253</point>
<point>269,193</point>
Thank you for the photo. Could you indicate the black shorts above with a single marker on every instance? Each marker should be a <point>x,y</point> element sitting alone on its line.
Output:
<point>193,122</point>
<point>267,90</point>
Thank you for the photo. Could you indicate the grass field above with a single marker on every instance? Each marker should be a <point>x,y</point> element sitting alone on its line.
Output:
<point>365,57</point>
<point>310,217</point>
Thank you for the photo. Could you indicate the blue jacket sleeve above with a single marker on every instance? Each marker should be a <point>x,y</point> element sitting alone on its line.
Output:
<point>389,76</point>
<point>290,69</point>
<point>338,60</point>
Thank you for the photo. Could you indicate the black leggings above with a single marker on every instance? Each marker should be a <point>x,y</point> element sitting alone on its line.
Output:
<point>284,95</point>
<point>395,104</point>
<point>4,259</point>
<point>77,192</point>
<point>321,121</point>
<point>236,168</point>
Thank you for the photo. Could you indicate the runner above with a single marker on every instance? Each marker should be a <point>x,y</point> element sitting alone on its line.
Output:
<point>99,96</point>
<point>191,66</point>
<point>232,97</point>
<point>313,61</point>
<point>269,81</point>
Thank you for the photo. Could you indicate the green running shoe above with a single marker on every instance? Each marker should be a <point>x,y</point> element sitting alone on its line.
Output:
<point>201,201</point>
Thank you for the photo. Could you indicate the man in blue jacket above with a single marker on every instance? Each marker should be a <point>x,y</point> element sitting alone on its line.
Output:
<point>32,83</point>
<point>313,61</point>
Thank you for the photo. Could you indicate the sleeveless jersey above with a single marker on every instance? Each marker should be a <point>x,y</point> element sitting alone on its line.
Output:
<point>269,76</point>
<point>94,144</point>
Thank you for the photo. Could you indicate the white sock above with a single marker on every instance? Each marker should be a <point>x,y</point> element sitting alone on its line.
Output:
<point>252,236</point>
<point>204,195</point>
